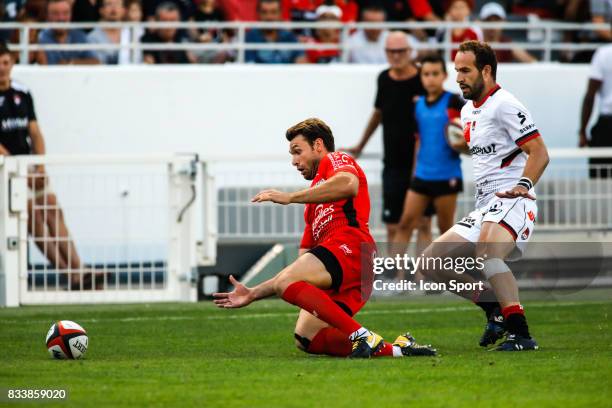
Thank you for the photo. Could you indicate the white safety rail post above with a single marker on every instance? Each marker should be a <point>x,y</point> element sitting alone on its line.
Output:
<point>13,227</point>
<point>207,246</point>
<point>99,229</point>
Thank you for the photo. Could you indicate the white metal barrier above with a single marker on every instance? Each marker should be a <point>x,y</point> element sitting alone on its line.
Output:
<point>90,229</point>
<point>544,36</point>
<point>568,199</point>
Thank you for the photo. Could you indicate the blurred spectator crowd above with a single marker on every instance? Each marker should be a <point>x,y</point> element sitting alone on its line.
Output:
<point>366,45</point>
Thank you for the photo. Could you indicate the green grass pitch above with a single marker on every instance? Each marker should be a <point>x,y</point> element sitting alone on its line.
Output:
<point>196,355</point>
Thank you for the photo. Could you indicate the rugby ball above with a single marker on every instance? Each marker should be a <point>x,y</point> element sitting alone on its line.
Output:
<point>454,135</point>
<point>67,340</point>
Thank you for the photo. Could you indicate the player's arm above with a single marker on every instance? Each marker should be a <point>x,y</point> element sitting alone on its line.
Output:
<point>340,186</point>
<point>534,168</point>
<point>3,151</point>
<point>371,127</point>
<point>587,109</point>
<point>242,296</point>
<point>38,146</point>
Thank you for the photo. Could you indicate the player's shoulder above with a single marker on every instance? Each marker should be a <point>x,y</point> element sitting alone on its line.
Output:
<point>20,87</point>
<point>503,102</point>
<point>340,159</point>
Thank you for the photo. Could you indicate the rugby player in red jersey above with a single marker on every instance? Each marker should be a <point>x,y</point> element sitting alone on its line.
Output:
<point>331,280</point>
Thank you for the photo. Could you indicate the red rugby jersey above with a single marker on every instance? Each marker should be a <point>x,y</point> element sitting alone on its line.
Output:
<point>350,215</point>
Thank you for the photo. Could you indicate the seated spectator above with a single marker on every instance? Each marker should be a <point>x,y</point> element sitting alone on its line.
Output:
<point>459,11</point>
<point>492,13</point>
<point>186,8</point>
<point>601,12</point>
<point>326,36</point>
<point>367,46</point>
<point>34,57</point>
<point>59,11</point>
<point>111,11</point>
<point>270,11</point>
<point>133,11</point>
<point>209,11</point>
<point>166,12</point>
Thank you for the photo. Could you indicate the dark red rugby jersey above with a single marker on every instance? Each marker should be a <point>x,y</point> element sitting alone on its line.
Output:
<point>353,214</point>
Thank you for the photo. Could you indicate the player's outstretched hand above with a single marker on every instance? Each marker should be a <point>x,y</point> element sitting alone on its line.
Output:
<point>514,192</point>
<point>241,296</point>
<point>275,196</point>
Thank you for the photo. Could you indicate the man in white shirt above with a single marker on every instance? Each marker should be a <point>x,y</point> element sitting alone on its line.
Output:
<point>509,157</point>
<point>600,83</point>
<point>368,46</point>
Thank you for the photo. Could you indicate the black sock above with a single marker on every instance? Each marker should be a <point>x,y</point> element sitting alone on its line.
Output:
<point>516,323</point>
<point>488,302</point>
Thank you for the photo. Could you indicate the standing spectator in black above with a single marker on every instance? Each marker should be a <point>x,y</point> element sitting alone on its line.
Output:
<point>20,135</point>
<point>166,12</point>
<point>112,11</point>
<point>600,82</point>
<point>398,87</point>
<point>59,11</point>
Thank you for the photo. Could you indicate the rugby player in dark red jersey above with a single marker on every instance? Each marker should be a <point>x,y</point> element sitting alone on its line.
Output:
<point>332,278</point>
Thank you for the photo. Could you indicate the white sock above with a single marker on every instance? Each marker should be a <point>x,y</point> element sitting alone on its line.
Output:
<point>397,351</point>
<point>359,333</point>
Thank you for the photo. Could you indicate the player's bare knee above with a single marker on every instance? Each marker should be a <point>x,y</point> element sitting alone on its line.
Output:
<point>284,279</point>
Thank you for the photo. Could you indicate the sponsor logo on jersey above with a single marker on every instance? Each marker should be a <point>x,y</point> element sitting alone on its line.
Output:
<point>521,117</point>
<point>496,208</point>
<point>345,249</point>
<point>531,215</point>
<point>17,99</point>
<point>476,111</point>
<point>483,150</point>
<point>14,123</point>
<point>528,127</point>
<point>525,234</point>
<point>340,160</point>
<point>468,222</point>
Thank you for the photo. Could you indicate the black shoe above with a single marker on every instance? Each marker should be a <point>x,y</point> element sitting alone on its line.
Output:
<point>364,347</point>
<point>514,342</point>
<point>494,330</point>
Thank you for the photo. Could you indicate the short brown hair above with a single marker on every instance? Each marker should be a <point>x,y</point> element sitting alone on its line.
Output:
<point>312,129</point>
<point>484,55</point>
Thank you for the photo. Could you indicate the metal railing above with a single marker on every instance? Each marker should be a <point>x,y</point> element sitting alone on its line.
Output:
<point>568,200</point>
<point>544,36</point>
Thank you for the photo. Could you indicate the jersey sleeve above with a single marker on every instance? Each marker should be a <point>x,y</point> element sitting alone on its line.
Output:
<point>596,70</point>
<point>336,162</point>
<point>455,103</point>
<point>30,105</point>
<point>517,121</point>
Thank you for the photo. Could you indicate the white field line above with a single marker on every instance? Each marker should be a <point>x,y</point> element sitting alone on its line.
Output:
<point>227,316</point>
